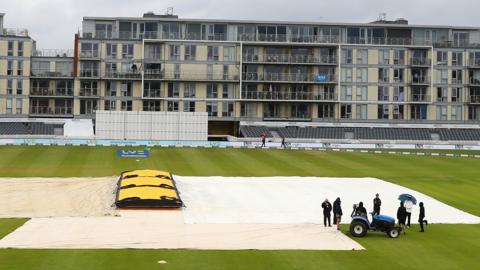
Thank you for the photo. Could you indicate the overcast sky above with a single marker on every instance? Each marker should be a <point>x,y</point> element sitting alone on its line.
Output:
<point>53,23</point>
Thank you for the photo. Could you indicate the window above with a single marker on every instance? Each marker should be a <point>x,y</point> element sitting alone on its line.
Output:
<point>457,58</point>
<point>10,48</point>
<point>151,105</point>
<point>346,74</point>
<point>10,67</point>
<point>190,52</point>
<point>227,91</point>
<point>9,87</point>
<point>110,105</point>
<point>347,56</point>
<point>111,51</point>
<point>442,94</point>
<point>362,93</point>
<point>176,71</point>
<point>173,90</point>
<point>361,111</point>
<point>362,75</point>
<point>399,57</point>
<point>442,58</point>
<point>153,51</point>
<point>212,91</point>
<point>383,75</point>
<point>189,106</point>
<point>346,93</point>
<point>189,91</point>
<point>227,109</point>
<point>19,87</point>
<point>441,112</point>
<point>172,106</point>
<point>442,76</point>
<point>127,51</point>
<point>20,48</point>
<point>398,75</point>
<point>346,111</point>
<point>383,57</point>
<point>212,108</point>
<point>212,53</point>
<point>398,112</point>
<point>40,67</point>
<point>326,111</point>
<point>362,56</point>
<point>209,72</point>
<point>126,89</point>
<point>88,88</point>
<point>18,108</point>
<point>64,68</point>
<point>110,89</point>
<point>399,93</point>
<point>174,52</point>
<point>89,50</point>
<point>383,93</point>
<point>229,53</point>
<point>225,72</point>
<point>383,111</point>
<point>456,113</point>
<point>456,94</point>
<point>9,106</point>
<point>19,67</point>
<point>457,76</point>
<point>126,105</point>
<point>88,106</point>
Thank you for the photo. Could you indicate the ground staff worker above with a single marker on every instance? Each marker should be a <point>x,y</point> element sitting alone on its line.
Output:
<point>327,208</point>
<point>376,205</point>
<point>337,212</point>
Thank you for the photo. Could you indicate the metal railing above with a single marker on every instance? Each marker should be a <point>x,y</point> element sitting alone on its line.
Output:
<point>45,91</point>
<point>89,54</point>
<point>420,80</point>
<point>474,62</point>
<point>46,73</point>
<point>288,95</point>
<point>113,74</point>
<point>89,73</point>
<point>289,77</point>
<point>295,59</point>
<point>18,32</point>
<point>419,98</point>
<point>88,92</point>
<point>473,99</point>
<point>186,75</point>
<point>420,61</point>
<point>51,111</point>
<point>474,81</point>
<point>53,53</point>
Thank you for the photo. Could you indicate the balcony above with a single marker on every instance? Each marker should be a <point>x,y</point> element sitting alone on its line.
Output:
<point>473,99</point>
<point>420,80</point>
<point>88,92</point>
<point>188,76</point>
<point>420,62</point>
<point>89,55</point>
<point>53,53</point>
<point>46,73</point>
<point>17,32</point>
<point>419,98</point>
<point>474,63</point>
<point>474,81</point>
<point>89,73</point>
<point>288,96</point>
<point>290,59</point>
<point>289,77</point>
<point>49,111</point>
<point>46,92</point>
<point>113,74</point>
<point>457,81</point>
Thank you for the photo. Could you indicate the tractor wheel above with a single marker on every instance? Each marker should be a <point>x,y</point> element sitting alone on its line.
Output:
<point>393,233</point>
<point>358,229</point>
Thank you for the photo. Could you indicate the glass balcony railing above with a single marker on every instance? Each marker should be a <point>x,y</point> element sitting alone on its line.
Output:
<point>420,61</point>
<point>40,110</point>
<point>419,98</point>
<point>420,80</point>
<point>189,75</point>
<point>89,73</point>
<point>289,77</point>
<point>47,73</point>
<point>294,59</point>
<point>46,92</point>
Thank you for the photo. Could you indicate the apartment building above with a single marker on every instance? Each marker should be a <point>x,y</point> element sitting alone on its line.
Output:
<point>385,71</point>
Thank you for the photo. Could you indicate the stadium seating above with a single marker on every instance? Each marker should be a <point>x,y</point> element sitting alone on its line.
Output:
<point>366,133</point>
<point>28,128</point>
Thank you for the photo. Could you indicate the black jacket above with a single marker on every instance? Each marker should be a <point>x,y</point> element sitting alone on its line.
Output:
<point>421,216</point>
<point>337,208</point>
<point>327,208</point>
<point>361,211</point>
<point>377,203</point>
<point>401,213</point>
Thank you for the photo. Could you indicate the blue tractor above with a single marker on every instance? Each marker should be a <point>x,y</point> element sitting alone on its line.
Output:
<point>360,224</point>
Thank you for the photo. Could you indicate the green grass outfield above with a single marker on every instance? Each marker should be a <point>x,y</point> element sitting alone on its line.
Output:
<point>455,181</point>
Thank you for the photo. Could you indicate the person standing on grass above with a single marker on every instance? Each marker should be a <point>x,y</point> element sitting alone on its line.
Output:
<point>376,205</point>
<point>264,138</point>
<point>327,208</point>
<point>402,216</point>
<point>408,206</point>
<point>337,212</point>
<point>421,217</point>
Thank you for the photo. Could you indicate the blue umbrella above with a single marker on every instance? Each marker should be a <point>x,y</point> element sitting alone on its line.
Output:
<point>404,197</point>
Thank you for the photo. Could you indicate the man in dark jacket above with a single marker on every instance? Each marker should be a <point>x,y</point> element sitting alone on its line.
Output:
<point>421,217</point>
<point>337,212</point>
<point>360,210</point>
<point>402,216</point>
<point>376,205</point>
<point>327,208</point>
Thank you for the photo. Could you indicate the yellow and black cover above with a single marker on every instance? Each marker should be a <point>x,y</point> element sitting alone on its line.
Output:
<point>146,189</point>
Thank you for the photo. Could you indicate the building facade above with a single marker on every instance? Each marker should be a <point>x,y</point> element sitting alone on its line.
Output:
<point>386,71</point>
